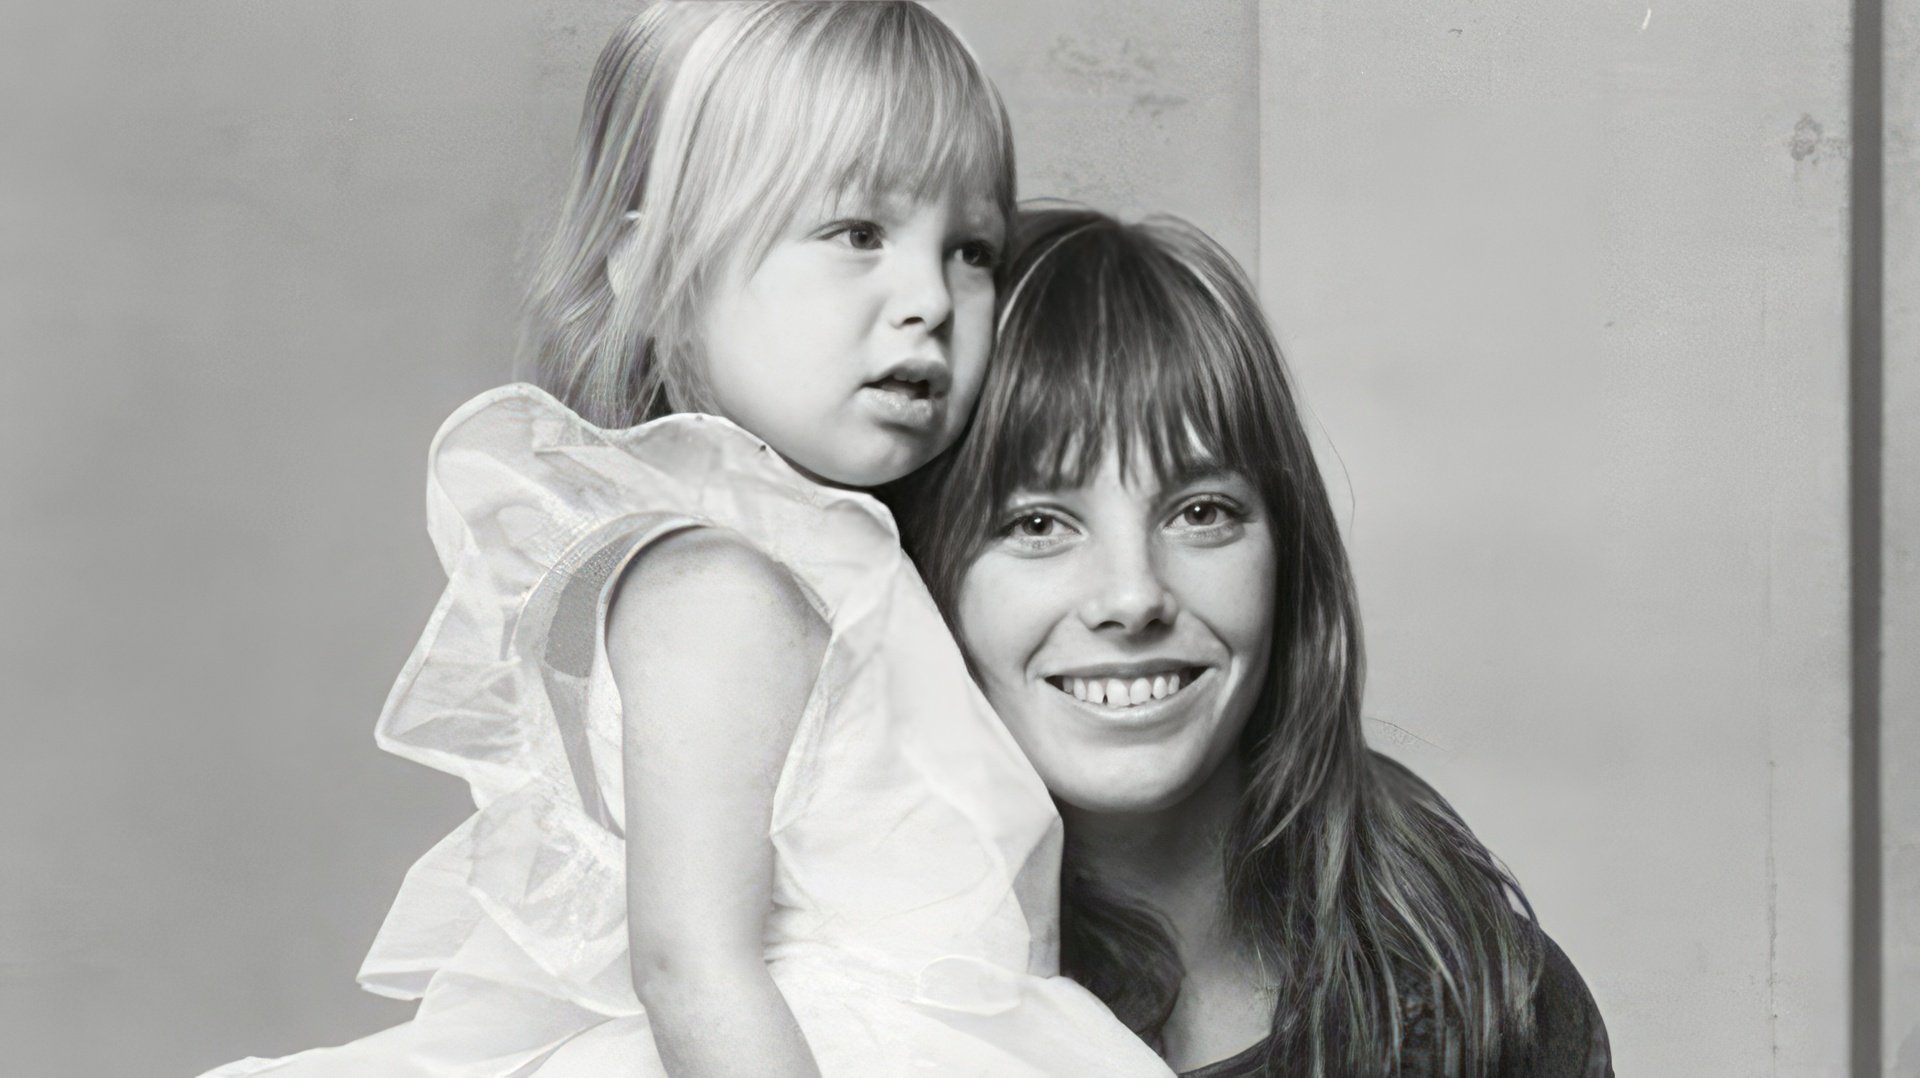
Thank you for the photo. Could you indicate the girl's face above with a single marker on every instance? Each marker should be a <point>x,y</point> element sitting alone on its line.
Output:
<point>856,347</point>
<point>1122,630</point>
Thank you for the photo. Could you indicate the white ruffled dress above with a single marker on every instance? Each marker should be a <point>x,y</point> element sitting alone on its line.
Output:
<point>917,853</point>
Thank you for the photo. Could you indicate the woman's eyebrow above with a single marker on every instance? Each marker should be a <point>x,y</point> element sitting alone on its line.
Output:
<point>1199,471</point>
<point>1035,491</point>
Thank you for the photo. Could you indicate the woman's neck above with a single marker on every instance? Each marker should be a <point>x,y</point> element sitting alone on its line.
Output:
<point>1174,861</point>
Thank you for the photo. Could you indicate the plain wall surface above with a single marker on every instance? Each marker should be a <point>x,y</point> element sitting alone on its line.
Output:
<point>1565,285</point>
<point>253,254</point>
<point>1563,288</point>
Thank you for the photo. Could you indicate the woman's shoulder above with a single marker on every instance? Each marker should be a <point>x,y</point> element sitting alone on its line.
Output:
<point>1570,1038</point>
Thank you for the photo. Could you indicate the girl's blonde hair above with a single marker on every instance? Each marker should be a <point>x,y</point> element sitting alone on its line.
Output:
<point>708,125</point>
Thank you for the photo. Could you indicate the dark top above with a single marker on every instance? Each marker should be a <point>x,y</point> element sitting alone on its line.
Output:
<point>1570,1040</point>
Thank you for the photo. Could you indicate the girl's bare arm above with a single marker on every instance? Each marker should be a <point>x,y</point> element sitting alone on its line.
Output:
<point>714,649</point>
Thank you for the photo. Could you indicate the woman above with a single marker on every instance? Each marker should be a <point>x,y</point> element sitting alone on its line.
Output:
<point>1138,555</point>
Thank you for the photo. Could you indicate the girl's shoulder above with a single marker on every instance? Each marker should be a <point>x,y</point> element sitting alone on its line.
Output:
<point>699,584</point>
<point>515,469</point>
<point>521,417</point>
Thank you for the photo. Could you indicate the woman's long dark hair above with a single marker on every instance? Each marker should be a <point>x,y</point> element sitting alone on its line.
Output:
<point>1357,885</point>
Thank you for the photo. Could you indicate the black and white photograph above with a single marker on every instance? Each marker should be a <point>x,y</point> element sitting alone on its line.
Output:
<point>988,538</point>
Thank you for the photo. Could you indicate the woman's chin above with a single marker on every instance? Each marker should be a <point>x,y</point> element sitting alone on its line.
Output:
<point>1115,765</point>
<point>1145,784</point>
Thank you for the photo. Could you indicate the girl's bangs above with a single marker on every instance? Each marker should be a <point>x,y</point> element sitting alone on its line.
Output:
<point>914,115</point>
<point>873,99</point>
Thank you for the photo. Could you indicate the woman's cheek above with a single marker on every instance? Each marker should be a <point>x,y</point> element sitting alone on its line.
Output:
<point>1232,589</point>
<point>992,619</point>
<point>1008,608</point>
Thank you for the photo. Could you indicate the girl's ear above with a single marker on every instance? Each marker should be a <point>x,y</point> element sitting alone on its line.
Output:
<point>621,260</point>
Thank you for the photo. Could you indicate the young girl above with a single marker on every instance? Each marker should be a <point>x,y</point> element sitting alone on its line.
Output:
<point>741,810</point>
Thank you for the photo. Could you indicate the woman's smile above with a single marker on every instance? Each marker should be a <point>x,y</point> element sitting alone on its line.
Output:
<point>1131,700</point>
<point>1127,687</point>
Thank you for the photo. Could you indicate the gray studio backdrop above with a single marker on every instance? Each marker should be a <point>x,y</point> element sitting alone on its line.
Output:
<point>1563,284</point>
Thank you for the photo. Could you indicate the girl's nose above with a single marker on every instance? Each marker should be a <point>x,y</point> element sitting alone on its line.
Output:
<point>1126,591</point>
<point>921,293</point>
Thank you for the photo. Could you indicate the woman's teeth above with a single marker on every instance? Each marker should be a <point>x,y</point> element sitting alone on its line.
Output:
<point>1121,692</point>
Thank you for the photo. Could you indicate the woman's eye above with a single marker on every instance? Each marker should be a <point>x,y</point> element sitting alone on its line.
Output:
<point>1210,515</point>
<point>1034,526</point>
<point>1036,531</point>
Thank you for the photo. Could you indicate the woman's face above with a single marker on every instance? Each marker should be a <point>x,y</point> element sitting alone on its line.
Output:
<point>1122,629</point>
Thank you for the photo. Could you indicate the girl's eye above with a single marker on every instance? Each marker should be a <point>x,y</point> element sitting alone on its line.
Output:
<point>860,235</point>
<point>979,254</point>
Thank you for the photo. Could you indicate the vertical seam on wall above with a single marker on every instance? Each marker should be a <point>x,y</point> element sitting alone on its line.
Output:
<point>1259,148</point>
<point>1865,404</point>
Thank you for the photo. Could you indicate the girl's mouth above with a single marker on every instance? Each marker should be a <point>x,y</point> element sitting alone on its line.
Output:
<point>912,388</point>
<point>903,403</point>
<point>1125,692</point>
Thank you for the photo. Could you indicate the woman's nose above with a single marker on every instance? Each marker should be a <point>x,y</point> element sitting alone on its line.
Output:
<point>1127,592</point>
